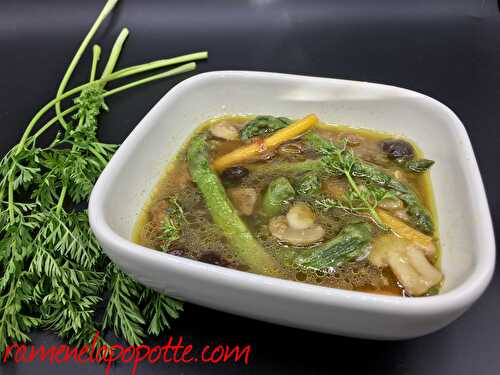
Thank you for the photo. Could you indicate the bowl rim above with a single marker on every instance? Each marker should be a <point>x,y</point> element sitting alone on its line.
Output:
<point>460,297</point>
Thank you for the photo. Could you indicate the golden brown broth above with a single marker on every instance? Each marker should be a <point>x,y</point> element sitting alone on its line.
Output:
<point>200,235</point>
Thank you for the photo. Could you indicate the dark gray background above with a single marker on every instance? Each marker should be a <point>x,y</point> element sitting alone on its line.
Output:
<point>448,49</point>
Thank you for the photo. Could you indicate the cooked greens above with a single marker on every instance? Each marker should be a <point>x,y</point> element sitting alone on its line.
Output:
<point>277,195</point>
<point>263,125</point>
<point>350,244</point>
<point>340,160</point>
<point>308,185</point>
<point>419,165</point>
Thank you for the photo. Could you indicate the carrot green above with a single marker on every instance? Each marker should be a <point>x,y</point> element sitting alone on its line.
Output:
<point>53,274</point>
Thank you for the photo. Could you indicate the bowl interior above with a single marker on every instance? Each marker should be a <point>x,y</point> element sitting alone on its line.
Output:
<point>455,178</point>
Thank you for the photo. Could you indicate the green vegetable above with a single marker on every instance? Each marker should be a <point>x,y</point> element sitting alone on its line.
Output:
<point>308,185</point>
<point>336,160</point>
<point>366,200</point>
<point>53,274</point>
<point>341,161</point>
<point>418,165</point>
<point>135,309</point>
<point>348,246</point>
<point>285,167</point>
<point>277,196</point>
<point>263,125</point>
<point>246,247</point>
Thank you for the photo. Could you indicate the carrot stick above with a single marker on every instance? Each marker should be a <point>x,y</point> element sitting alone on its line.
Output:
<point>281,136</point>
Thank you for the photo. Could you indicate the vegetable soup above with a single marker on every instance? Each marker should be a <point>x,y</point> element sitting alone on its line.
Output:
<point>330,205</point>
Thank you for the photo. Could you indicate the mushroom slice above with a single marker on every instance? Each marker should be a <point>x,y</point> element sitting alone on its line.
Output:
<point>244,199</point>
<point>227,130</point>
<point>297,227</point>
<point>423,267</point>
<point>300,216</point>
<point>413,283</point>
<point>391,204</point>
<point>407,261</point>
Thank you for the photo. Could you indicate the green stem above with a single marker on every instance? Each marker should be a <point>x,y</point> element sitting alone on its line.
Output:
<point>64,189</point>
<point>164,62</point>
<point>12,217</point>
<point>61,199</point>
<point>98,156</point>
<point>114,76</point>
<point>180,69</point>
<point>47,125</point>
<point>44,109</point>
<point>96,56</point>
<point>115,54</point>
<point>367,204</point>
<point>108,7</point>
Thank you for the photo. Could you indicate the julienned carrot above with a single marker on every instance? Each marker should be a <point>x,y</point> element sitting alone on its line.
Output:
<point>404,230</point>
<point>281,136</point>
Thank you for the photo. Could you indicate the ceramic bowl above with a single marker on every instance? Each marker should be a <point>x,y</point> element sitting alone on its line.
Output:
<point>468,246</point>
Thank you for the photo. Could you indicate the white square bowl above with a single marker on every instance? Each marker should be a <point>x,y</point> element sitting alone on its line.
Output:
<point>464,220</point>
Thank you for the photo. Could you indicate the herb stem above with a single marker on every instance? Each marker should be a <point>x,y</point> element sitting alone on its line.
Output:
<point>161,63</point>
<point>180,69</point>
<point>61,198</point>
<point>108,7</point>
<point>49,123</point>
<point>114,76</point>
<point>368,206</point>
<point>115,54</point>
<point>119,74</point>
<point>96,56</point>
<point>12,217</point>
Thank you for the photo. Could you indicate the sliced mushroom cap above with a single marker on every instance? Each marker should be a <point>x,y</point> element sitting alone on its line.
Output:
<point>297,227</point>
<point>244,199</point>
<point>228,130</point>
<point>391,204</point>
<point>300,216</point>
<point>280,229</point>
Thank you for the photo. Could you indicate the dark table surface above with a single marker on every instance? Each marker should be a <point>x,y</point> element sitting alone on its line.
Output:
<point>448,49</point>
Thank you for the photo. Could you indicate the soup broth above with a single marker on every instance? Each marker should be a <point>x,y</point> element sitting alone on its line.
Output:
<point>340,225</point>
